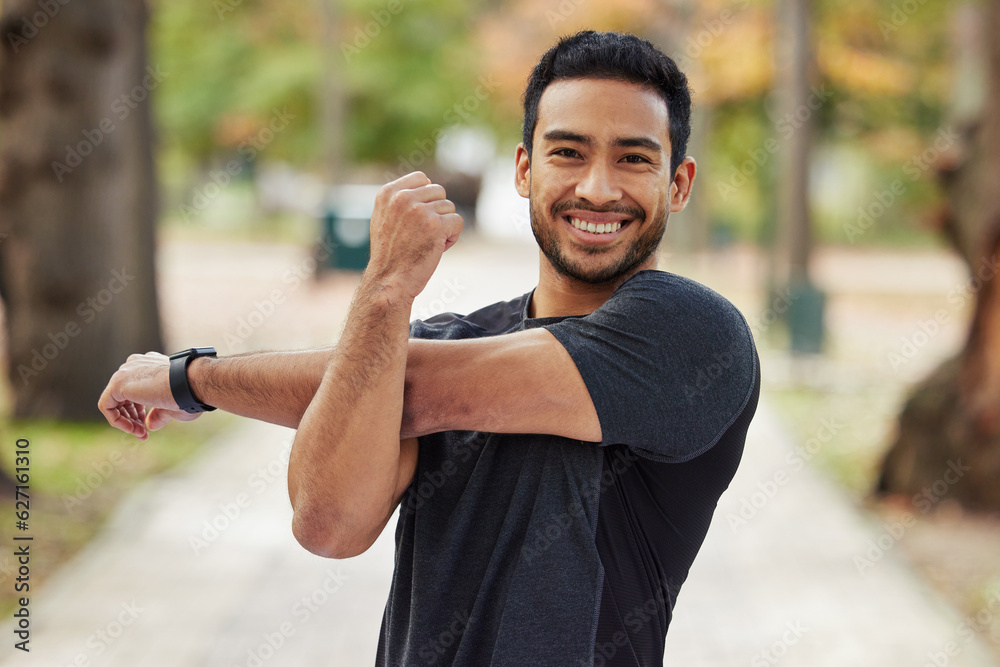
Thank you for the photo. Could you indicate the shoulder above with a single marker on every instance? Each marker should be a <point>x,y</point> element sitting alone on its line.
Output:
<point>681,314</point>
<point>669,294</point>
<point>497,318</point>
<point>688,356</point>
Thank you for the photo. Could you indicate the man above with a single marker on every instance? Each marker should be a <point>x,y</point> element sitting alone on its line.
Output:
<point>556,458</point>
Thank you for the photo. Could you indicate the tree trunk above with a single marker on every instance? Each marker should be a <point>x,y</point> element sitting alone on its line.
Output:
<point>949,431</point>
<point>77,199</point>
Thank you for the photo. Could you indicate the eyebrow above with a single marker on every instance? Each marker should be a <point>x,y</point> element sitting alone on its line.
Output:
<point>621,142</point>
<point>639,142</point>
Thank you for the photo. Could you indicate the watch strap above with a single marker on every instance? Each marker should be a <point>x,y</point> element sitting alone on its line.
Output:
<point>179,386</point>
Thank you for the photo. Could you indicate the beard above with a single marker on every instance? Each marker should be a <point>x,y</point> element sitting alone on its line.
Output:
<point>638,251</point>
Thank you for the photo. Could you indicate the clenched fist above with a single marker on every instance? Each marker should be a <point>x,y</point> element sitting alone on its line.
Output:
<point>412,225</point>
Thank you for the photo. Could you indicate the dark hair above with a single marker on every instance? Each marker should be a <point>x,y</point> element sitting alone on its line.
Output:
<point>613,55</point>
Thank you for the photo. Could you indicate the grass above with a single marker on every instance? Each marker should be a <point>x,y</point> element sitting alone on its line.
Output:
<point>79,472</point>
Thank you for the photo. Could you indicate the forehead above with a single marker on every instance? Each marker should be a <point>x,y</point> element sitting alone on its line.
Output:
<point>603,108</point>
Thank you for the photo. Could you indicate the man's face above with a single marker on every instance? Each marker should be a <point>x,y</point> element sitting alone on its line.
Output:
<point>599,180</point>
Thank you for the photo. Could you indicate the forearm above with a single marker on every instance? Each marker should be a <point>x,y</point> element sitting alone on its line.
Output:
<point>344,465</point>
<point>274,387</point>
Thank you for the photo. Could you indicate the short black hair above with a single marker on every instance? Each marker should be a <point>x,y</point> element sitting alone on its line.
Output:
<point>613,55</point>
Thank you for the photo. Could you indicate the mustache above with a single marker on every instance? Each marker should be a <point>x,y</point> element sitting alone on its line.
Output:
<point>580,205</point>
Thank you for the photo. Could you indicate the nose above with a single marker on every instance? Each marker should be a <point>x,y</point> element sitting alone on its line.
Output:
<point>598,185</point>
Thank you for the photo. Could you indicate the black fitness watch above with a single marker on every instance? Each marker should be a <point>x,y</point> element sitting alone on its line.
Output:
<point>179,386</point>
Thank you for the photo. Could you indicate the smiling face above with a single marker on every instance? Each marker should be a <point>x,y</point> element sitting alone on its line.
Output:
<point>599,178</point>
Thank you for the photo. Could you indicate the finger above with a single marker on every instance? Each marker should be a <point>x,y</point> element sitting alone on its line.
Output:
<point>432,192</point>
<point>442,206</point>
<point>158,418</point>
<point>126,423</point>
<point>109,407</point>
<point>453,225</point>
<point>413,180</point>
<point>133,412</point>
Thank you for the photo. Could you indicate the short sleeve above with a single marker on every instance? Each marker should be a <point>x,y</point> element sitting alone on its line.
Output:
<point>669,364</point>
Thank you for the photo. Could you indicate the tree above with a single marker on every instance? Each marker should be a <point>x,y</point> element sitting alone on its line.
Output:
<point>77,199</point>
<point>949,430</point>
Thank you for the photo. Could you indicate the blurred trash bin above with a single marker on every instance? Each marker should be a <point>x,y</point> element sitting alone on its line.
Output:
<point>805,318</point>
<point>346,219</point>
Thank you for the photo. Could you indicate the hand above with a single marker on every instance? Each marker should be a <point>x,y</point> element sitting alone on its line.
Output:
<point>141,383</point>
<point>412,225</point>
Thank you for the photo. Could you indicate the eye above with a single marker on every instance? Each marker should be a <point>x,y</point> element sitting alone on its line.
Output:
<point>635,159</point>
<point>566,152</point>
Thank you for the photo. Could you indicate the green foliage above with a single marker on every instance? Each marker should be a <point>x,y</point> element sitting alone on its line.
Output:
<point>230,63</point>
<point>229,67</point>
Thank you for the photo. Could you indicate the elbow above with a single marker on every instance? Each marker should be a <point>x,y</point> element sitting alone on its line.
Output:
<point>328,537</point>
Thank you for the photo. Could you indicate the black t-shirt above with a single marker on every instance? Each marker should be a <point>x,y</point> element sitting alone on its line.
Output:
<point>516,549</point>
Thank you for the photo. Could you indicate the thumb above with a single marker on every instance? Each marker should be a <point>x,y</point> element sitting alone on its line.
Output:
<point>157,418</point>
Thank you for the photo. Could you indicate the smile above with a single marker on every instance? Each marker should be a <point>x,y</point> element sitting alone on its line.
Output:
<point>603,228</point>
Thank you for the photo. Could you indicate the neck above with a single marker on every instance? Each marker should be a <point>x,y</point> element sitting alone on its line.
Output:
<point>558,295</point>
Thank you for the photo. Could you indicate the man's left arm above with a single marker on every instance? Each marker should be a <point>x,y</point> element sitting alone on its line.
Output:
<point>523,382</point>
<point>664,366</point>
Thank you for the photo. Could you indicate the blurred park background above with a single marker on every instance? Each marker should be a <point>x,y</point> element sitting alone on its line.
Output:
<point>191,173</point>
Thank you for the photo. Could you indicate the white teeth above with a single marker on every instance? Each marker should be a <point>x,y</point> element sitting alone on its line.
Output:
<point>604,228</point>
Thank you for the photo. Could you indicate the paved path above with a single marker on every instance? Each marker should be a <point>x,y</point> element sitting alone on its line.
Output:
<point>199,569</point>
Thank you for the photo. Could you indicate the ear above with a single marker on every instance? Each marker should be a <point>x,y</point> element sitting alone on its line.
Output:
<point>680,188</point>
<point>522,175</point>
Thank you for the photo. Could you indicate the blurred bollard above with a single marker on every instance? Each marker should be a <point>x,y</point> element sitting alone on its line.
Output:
<point>805,318</point>
<point>346,221</point>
